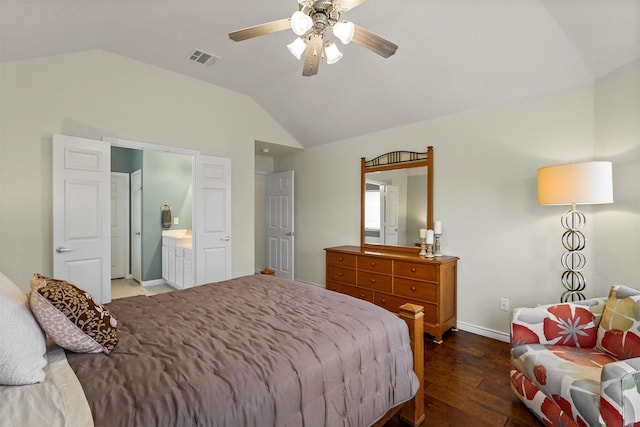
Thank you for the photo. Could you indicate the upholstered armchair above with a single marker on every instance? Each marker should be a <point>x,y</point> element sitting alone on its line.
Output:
<point>578,363</point>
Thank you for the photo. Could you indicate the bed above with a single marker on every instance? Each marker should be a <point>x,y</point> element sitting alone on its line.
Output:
<point>252,351</point>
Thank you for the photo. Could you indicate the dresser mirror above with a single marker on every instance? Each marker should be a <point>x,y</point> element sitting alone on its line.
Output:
<point>396,199</point>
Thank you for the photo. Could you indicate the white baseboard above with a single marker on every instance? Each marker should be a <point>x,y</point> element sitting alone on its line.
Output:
<point>310,283</point>
<point>155,282</point>
<point>485,332</point>
<point>128,276</point>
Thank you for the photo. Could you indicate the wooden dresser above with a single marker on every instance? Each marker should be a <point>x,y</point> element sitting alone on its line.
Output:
<point>389,279</point>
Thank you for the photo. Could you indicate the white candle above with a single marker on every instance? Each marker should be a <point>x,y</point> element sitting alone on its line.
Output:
<point>429,237</point>
<point>437,228</point>
<point>423,233</point>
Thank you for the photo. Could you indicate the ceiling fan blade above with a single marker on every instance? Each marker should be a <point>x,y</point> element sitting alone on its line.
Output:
<point>260,30</point>
<point>312,55</point>
<point>344,5</point>
<point>374,42</point>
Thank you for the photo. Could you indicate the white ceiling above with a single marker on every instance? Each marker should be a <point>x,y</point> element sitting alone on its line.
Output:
<point>453,54</point>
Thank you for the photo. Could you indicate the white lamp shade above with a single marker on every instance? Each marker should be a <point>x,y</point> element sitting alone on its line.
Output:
<point>301,23</point>
<point>332,53</point>
<point>579,183</point>
<point>344,31</point>
<point>297,47</point>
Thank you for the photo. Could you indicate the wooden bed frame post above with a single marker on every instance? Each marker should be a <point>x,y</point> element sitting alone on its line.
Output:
<point>413,410</point>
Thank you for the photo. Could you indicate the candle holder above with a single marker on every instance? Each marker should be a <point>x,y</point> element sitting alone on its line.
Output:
<point>423,247</point>
<point>437,249</point>
<point>429,250</point>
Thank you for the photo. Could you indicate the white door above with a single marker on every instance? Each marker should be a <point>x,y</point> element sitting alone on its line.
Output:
<point>280,232</point>
<point>119,225</point>
<point>136,225</point>
<point>81,214</point>
<point>212,219</point>
<point>391,215</point>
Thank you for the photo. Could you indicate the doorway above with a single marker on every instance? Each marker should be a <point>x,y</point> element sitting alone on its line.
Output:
<point>82,212</point>
<point>279,209</point>
<point>268,158</point>
<point>168,179</point>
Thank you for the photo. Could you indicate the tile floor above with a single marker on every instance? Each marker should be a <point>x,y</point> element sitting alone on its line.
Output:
<point>121,288</point>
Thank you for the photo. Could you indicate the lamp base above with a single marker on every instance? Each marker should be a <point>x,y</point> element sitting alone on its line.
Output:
<point>573,260</point>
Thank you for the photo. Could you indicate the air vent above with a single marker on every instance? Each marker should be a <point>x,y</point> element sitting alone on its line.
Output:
<point>202,57</point>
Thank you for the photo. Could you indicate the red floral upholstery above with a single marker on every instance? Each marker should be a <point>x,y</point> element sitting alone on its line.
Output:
<point>619,333</point>
<point>566,324</point>
<point>563,377</point>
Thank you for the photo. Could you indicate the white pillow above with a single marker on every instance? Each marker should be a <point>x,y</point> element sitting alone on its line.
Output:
<point>22,342</point>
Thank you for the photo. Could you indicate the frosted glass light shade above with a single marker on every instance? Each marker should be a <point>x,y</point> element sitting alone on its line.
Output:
<point>297,47</point>
<point>344,31</point>
<point>301,23</point>
<point>332,53</point>
<point>580,183</point>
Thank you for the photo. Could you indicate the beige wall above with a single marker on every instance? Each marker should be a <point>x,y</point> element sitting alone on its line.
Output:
<point>94,94</point>
<point>485,194</point>
<point>617,130</point>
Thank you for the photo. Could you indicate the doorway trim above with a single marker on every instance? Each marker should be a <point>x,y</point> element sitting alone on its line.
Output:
<point>136,145</point>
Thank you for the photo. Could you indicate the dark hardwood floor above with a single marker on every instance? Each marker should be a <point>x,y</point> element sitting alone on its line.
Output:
<point>467,384</point>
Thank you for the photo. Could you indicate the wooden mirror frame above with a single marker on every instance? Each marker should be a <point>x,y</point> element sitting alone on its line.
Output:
<point>390,161</point>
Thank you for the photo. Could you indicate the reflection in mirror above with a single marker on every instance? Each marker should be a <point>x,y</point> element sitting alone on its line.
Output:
<point>395,206</point>
<point>396,199</point>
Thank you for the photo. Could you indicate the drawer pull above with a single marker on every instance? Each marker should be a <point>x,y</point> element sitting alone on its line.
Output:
<point>340,259</point>
<point>362,296</point>
<point>341,274</point>
<point>384,301</point>
<point>373,264</point>
<point>373,280</point>
<point>413,269</point>
<point>413,288</point>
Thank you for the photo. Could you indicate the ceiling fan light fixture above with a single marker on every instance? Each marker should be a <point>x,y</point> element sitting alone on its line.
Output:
<point>297,47</point>
<point>306,3</point>
<point>332,53</point>
<point>301,23</point>
<point>344,30</point>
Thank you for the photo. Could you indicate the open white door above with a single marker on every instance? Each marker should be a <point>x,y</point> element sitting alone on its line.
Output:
<point>136,225</point>
<point>280,232</point>
<point>81,214</point>
<point>212,219</point>
<point>391,215</point>
<point>119,225</point>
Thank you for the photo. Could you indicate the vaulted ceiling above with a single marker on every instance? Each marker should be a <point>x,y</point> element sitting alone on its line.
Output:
<point>453,55</point>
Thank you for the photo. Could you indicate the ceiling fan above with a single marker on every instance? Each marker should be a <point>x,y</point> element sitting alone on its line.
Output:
<point>310,23</point>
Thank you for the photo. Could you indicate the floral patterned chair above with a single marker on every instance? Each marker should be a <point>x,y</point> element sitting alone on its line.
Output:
<point>578,363</point>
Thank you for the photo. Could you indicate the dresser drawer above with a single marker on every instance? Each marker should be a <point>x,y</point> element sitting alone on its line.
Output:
<point>375,281</point>
<point>353,291</point>
<point>393,303</point>
<point>334,286</point>
<point>378,265</point>
<point>342,260</point>
<point>339,274</point>
<point>425,291</point>
<point>418,271</point>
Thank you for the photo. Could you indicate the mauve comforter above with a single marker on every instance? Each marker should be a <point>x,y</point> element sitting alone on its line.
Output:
<point>252,351</point>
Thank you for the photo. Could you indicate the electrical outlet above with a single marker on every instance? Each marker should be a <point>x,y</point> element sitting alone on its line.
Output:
<point>504,304</point>
<point>176,220</point>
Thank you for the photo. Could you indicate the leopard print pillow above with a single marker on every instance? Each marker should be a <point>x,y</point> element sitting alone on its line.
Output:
<point>71,317</point>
